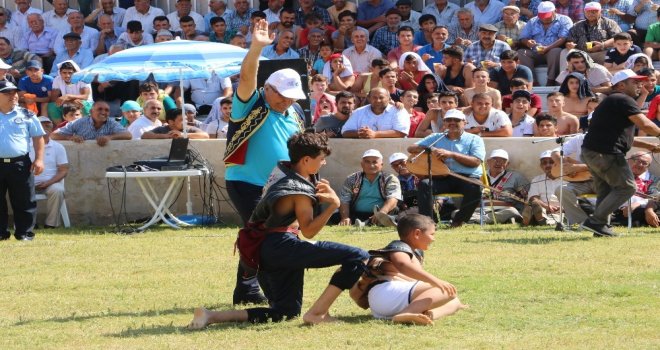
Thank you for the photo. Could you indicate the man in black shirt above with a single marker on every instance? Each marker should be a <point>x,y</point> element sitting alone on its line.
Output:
<point>604,149</point>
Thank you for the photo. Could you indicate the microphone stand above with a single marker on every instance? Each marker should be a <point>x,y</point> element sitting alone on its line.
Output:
<point>560,140</point>
<point>427,150</point>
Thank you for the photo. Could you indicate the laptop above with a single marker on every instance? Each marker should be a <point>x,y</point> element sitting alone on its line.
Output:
<point>175,161</point>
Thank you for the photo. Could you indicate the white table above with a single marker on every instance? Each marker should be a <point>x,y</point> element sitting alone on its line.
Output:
<point>162,203</point>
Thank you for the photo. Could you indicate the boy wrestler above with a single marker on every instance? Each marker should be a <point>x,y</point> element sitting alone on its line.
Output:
<point>291,205</point>
<point>401,290</point>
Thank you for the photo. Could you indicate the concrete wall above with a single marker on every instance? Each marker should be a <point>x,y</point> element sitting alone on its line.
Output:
<point>87,189</point>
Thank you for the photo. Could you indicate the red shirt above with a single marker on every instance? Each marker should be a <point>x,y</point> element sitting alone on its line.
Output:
<point>415,119</point>
<point>535,103</point>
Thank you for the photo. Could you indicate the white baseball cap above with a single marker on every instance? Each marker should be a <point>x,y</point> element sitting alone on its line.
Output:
<point>287,83</point>
<point>499,153</point>
<point>591,6</point>
<point>454,114</point>
<point>625,75</point>
<point>372,153</point>
<point>398,156</point>
<point>545,9</point>
<point>545,154</point>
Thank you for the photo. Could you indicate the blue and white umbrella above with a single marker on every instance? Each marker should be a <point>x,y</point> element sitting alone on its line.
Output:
<point>168,61</point>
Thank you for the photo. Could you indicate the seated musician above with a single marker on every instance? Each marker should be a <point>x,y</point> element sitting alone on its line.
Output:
<point>463,154</point>
<point>644,208</point>
<point>577,182</point>
<point>505,201</point>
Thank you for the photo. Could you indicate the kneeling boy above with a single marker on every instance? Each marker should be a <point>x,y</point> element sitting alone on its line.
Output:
<point>291,205</point>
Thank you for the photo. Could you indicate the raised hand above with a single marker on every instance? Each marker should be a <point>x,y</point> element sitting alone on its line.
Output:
<point>260,34</point>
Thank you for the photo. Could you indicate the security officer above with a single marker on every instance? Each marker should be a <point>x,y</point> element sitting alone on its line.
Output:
<point>17,126</point>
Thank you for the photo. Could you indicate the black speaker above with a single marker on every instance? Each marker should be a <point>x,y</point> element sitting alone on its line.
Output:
<point>267,67</point>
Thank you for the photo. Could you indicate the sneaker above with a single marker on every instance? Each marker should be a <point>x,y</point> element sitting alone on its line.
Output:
<point>605,231</point>
<point>359,224</point>
<point>383,219</point>
<point>599,230</point>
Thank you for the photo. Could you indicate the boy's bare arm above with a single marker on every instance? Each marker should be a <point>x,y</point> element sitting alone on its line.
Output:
<point>406,266</point>
<point>310,225</point>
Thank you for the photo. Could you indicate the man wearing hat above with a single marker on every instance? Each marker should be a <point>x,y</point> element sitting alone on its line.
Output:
<point>486,11</point>
<point>610,137</point>
<point>486,52</point>
<point>385,38</point>
<point>509,28</point>
<point>543,37</point>
<point>407,179</point>
<point>36,83</point>
<point>369,191</point>
<point>504,181</point>
<point>593,35</point>
<point>18,127</point>
<point>51,180</point>
<point>463,154</point>
<point>542,206</point>
<point>74,52</point>
<point>261,122</point>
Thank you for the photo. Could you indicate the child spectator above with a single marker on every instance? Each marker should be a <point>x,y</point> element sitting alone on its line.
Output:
<point>615,58</point>
<point>402,290</point>
<point>65,91</point>
<point>70,113</point>
<point>409,100</point>
<point>584,121</point>
<point>326,105</point>
<point>546,125</point>
<point>319,85</point>
<point>522,84</point>
<point>325,51</point>
<point>220,34</point>
<point>481,78</point>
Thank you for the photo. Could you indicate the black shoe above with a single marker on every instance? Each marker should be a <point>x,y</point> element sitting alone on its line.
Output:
<point>250,299</point>
<point>25,237</point>
<point>605,231</point>
<point>599,230</point>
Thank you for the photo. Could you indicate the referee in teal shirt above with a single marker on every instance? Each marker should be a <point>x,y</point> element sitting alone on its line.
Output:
<point>17,126</point>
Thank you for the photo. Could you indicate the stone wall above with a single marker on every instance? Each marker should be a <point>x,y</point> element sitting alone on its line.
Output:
<point>87,188</point>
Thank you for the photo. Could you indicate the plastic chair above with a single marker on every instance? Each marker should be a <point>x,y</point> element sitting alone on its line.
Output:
<point>63,210</point>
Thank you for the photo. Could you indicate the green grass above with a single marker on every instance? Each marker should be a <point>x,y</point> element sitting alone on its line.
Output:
<point>527,290</point>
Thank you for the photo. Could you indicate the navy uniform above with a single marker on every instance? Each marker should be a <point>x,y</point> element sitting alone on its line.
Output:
<point>17,126</point>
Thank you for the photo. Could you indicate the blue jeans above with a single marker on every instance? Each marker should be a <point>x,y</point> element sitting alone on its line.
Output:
<point>284,258</point>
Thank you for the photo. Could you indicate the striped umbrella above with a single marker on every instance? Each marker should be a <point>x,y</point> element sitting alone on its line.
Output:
<point>169,61</point>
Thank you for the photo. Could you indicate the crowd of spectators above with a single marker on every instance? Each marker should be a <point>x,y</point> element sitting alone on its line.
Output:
<point>377,70</point>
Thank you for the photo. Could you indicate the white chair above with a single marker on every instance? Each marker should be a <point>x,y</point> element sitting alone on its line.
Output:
<point>63,210</point>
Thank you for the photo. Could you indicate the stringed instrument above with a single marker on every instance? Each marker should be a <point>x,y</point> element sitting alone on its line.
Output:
<point>579,176</point>
<point>420,168</point>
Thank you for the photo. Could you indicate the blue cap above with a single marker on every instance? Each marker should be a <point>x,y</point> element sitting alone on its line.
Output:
<point>130,106</point>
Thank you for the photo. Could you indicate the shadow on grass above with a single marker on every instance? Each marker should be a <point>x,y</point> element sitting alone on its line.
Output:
<point>537,240</point>
<point>181,329</point>
<point>149,313</point>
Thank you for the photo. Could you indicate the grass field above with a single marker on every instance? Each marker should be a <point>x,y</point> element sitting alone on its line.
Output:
<point>86,289</point>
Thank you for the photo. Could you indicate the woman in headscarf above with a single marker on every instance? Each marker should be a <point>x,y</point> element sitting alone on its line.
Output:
<point>325,105</point>
<point>339,72</point>
<point>638,61</point>
<point>577,92</point>
<point>598,76</point>
<point>411,70</point>
<point>429,84</point>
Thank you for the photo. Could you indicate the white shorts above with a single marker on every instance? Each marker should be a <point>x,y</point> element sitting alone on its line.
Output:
<point>389,298</point>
